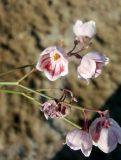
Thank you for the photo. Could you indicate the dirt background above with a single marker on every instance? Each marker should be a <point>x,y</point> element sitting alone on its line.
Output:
<point>26,28</point>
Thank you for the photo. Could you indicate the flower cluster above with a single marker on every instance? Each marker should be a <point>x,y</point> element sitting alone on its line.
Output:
<point>105,133</point>
<point>53,61</point>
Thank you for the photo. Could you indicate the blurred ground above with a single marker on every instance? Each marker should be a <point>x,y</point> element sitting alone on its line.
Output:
<point>26,28</point>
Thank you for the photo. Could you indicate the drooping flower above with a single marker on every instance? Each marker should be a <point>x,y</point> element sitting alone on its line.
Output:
<point>53,62</point>
<point>87,29</point>
<point>106,134</point>
<point>79,139</point>
<point>91,65</point>
<point>52,109</point>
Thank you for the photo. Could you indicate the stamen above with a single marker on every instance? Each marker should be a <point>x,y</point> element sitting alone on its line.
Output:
<point>56,56</point>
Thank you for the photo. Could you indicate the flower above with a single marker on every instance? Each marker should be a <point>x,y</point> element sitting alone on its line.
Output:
<point>52,109</point>
<point>87,29</point>
<point>53,62</point>
<point>106,134</point>
<point>91,65</point>
<point>79,139</point>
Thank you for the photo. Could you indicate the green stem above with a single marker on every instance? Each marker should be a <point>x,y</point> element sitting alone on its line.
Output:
<point>26,88</point>
<point>25,66</point>
<point>46,89</point>
<point>20,93</point>
<point>8,83</point>
<point>31,98</point>
<point>71,123</point>
<point>10,92</point>
<point>33,91</point>
<point>26,75</point>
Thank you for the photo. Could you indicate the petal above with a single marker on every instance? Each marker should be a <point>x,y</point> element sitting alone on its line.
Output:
<point>89,29</point>
<point>64,68</point>
<point>107,141</point>
<point>52,73</point>
<point>87,68</point>
<point>48,50</point>
<point>45,54</point>
<point>48,108</point>
<point>97,73</point>
<point>98,57</point>
<point>116,128</point>
<point>73,139</point>
<point>95,129</point>
<point>55,73</point>
<point>86,147</point>
<point>46,116</point>
<point>76,28</point>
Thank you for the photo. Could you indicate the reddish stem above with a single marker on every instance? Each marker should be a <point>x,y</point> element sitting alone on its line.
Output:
<point>85,120</point>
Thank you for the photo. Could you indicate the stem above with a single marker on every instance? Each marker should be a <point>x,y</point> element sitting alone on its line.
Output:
<point>85,121</point>
<point>25,66</point>
<point>30,98</point>
<point>10,92</point>
<point>74,53</point>
<point>71,123</point>
<point>46,89</point>
<point>26,88</point>
<point>20,93</point>
<point>85,109</point>
<point>8,83</point>
<point>75,44</point>
<point>33,91</point>
<point>26,75</point>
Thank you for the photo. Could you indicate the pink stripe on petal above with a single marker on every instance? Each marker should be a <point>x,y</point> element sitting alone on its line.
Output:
<point>45,55</point>
<point>62,68</point>
<point>45,63</point>
<point>53,73</point>
<point>47,66</point>
<point>44,59</point>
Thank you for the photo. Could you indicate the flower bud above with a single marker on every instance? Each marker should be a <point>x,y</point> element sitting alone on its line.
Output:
<point>87,29</point>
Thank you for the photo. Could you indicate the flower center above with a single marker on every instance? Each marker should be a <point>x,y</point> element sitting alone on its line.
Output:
<point>56,56</point>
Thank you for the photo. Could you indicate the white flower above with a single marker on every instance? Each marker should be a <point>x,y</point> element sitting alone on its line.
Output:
<point>106,134</point>
<point>87,29</point>
<point>53,62</point>
<point>91,65</point>
<point>79,139</point>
